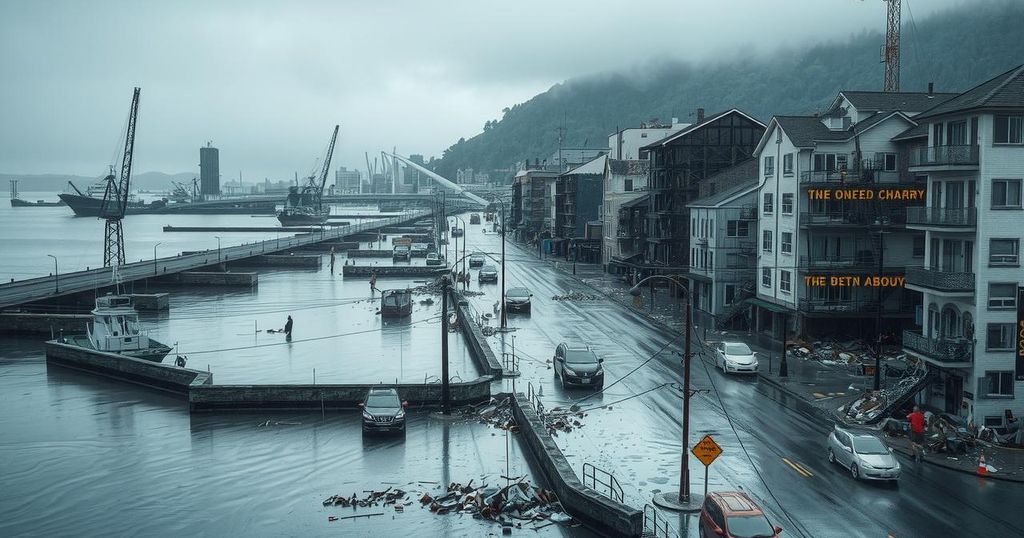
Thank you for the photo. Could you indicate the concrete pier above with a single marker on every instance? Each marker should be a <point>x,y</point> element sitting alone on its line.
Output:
<point>289,229</point>
<point>201,278</point>
<point>51,325</point>
<point>281,260</point>
<point>370,253</point>
<point>384,271</point>
<point>139,371</point>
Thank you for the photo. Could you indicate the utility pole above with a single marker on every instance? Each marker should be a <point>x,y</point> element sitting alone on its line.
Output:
<point>504,322</point>
<point>445,389</point>
<point>878,308</point>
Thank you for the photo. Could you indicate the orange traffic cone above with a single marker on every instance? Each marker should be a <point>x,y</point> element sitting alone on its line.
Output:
<point>982,468</point>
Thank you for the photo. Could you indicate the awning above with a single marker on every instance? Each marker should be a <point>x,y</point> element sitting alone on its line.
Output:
<point>771,307</point>
<point>645,200</point>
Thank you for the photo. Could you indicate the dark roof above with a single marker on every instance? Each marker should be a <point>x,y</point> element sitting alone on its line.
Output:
<point>1003,91</point>
<point>917,131</point>
<point>908,102</point>
<point>728,178</point>
<point>629,167</point>
<point>645,199</point>
<point>687,130</point>
<point>803,131</point>
<point>719,197</point>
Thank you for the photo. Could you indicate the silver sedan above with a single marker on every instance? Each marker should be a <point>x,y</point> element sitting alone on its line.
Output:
<point>866,456</point>
<point>735,357</point>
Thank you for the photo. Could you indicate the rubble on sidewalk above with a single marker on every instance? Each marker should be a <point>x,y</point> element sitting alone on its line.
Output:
<point>497,413</point>
<point>564,420</point>
<point>389,496</point>
<point>873,405</point>
<point>516,503</point>
<point>575,296</point>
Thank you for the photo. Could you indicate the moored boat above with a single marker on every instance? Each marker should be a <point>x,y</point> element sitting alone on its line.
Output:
<point>396,303</point>
<point>115,329</point>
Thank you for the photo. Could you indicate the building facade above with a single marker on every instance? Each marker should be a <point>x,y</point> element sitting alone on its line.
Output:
<point>625,191</point>
<point>347,181</point>
<point>625,144</point>
<point>578,198</point>
<point>209,170</point>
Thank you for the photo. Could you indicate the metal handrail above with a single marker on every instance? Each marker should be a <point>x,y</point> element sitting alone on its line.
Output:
<point>659,526</point>
<point>610,486</point>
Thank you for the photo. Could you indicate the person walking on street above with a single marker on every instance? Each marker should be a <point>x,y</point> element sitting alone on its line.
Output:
<point>332,260</point>
<point>288,328</point>
<point>373,282</point>
<point>917,433</point>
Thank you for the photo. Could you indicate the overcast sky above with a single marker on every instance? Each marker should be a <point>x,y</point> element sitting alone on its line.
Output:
<point>267,81</point>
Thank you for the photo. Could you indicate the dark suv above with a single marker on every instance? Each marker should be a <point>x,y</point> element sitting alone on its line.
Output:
<point>518,300</point>
<point>383,411</point>
<point>578,366</point>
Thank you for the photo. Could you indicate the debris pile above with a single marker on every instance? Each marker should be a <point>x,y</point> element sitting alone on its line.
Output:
<point>494,413</point>
<point>564,420</point>
<point>575,296</point>
<point>874,405</point>
<point>390,496</point>
<point>513,504</point>
<point>852,354</point>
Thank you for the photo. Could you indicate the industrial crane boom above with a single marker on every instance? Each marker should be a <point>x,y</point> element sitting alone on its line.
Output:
<point>115,198</point>
<point>323,173</point>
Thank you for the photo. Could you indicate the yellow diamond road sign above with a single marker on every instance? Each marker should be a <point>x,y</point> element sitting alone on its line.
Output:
<point>707,450</point>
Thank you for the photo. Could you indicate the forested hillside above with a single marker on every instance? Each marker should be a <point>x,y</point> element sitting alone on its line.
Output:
<point>956,49</point>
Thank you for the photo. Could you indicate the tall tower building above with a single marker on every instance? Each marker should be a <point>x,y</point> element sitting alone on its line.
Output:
<point>209,169</point>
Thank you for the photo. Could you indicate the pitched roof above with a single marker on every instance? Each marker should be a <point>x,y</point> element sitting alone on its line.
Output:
<point>728,194</point>
<point>918,131</point>
<point>594,166</point>
<point>803,131</point>
<point>1003,91</point>
<point>707,121</point>
<point>909,102</point>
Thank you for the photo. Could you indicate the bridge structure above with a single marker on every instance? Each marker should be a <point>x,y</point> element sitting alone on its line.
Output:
<point>22,292</point>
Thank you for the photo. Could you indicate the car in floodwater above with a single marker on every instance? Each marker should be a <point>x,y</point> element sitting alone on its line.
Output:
<point>518,300</point>
<point>578,366</point>
<point>733,514</point>
<point>434,258</point>
<point>383,411</point>
<point>735,357</point>
<point>863,454</point>
<point>488,273</point>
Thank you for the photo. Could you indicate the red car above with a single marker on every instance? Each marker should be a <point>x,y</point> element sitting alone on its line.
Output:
<point>734,515</point>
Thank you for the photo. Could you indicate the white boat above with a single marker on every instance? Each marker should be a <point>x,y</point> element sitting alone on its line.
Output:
<point>115,329</point>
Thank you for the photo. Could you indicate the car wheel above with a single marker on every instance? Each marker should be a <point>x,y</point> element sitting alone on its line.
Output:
<point>854,472</point>
<point>831,456</point>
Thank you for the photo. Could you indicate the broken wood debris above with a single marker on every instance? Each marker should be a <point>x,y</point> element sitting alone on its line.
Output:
<point>514,504</point>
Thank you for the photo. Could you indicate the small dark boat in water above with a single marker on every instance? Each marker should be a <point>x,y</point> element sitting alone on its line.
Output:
<point>396,303</point>
<point>18,202</point>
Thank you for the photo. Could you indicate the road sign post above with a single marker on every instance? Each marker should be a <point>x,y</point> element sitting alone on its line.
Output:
<point>707,451</point>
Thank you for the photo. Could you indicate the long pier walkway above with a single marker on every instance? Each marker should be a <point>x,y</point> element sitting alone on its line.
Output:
<point>35,289</point>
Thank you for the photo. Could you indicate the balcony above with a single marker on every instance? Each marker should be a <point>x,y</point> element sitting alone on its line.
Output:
<point>816,178</point>
<point>863,262</point>
<point>939,350</point>
<point>964,217</point>
<point>854,308</point>
<point>940,280</point>
<point>945,156</point>
<point>851,218</point>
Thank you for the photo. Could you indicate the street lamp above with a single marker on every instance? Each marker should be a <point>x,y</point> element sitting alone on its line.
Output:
<point>218,248</point>
<point>154,256</point>
<point>56,275</point>
<point>684,501</point>
<point>463,248</point>
<point>503,319</point>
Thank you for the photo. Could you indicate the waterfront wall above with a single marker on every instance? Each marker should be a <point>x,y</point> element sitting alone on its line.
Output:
<point>481,351</point>
<point>281,260</point>
<point>138,371</point>
<point>609,517</point>
<point>210,278</point>
<point>371,253</point>
<point>384,271</point>
<point>51,325</point>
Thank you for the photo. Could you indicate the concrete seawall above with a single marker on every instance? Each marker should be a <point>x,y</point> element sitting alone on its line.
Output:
<point>296,397</point>
<point>138,371</point>
<point>609,517</point>
<point>481,351</point>
<point>370,253</point>
<point>384,271</point>
<point>281,260</point>
<point>51,325</point>
<point>212,278</point>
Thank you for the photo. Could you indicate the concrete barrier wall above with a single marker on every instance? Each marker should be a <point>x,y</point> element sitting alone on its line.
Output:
<point>51,325</point>
<point>481,351</point>
<point>370,253</point>
<point>151,301</point>
<point>281,260</point>
<point>213,278</point>
<point>295,397</point>
<point>139,371</point>
<point>608,517</point>
<point>384,271</point>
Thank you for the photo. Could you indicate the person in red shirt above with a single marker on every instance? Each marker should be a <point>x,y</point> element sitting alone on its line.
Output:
<point>917,433</point>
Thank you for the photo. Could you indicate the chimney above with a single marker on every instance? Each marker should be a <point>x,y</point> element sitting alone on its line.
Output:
<point>700,115</point>
<point>931,90</point>
<point>675,121</point>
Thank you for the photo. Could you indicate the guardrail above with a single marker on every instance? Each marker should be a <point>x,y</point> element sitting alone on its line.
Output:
<point>609,486</point>
<point>533,398</point>
<point>656,524</point>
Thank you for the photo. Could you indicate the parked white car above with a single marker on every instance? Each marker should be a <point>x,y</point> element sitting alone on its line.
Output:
<point>865,455</point>
<point>735,357</point>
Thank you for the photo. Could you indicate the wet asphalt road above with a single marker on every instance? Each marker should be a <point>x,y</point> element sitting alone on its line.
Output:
<point>783,466</point>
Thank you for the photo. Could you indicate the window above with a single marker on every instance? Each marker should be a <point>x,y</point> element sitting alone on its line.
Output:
<point>628,185</point>
<point>824,162</point>
<point>766,241</point>
<point>787,164</point>
<point>766,277</point>
<point>769,203</point>
<point>885,161</point>
<point>1000,337</point>
<point>1002,295</point>
<point>693,227</point>
<point>1005,193</point>
<point>787,203</point>
<point>643,135</point>
<point>711,228</point>
<point>785,283</point>
<point>730,294</point>
<point>956,133</point>
<point>1008,130</point>
<point>1003,252</point>
<point>769,165</point>
<point>737,228</point>
<point>787,242</point>
<point>997,384</point>
<point>918,246</point>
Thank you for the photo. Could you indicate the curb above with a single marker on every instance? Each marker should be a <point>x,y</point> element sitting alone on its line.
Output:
<point>942,463</point>
<point>819,412</point>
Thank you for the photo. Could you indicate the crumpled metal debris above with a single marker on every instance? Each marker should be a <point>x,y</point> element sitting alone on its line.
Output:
<point>575,296</point>
<point>516,503</point>
<point>497,413</point>
<point>373,498</point>
<point>874,405</point>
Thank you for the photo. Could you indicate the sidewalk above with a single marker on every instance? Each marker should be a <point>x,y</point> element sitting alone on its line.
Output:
<point>821,387</point>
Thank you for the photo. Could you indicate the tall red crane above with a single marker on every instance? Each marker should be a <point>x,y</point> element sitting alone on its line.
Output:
<point>891,47</point>
<point>115,198</point>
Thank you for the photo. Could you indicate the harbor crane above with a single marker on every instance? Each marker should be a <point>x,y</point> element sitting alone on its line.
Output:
<point>891,47</point>
<point>115,197</point>
<point>305,206</point>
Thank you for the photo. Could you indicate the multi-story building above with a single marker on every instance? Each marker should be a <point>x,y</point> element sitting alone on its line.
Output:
<point>566,158</point>
<point>625,194</point>
<point>972,226</point>
<point>209,170</point>
<point>822,216</point>
<point>347,181</point>
<point>679,164</point>
<point>535,207</point>
<point>625,144</point>
<point>578,197</point>
<point>723,257</point>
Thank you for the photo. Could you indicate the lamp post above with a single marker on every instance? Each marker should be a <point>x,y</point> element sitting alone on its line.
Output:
<point>504,322</point>
<point>154,256</point>
<point>880,224</point>
<point>218,248</point>
<point>463,248</point>
<point>445,389</point>
<point>56,275</point>
<point>683,501</point>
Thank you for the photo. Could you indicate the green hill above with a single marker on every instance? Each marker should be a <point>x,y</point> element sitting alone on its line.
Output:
<point>956,49</point>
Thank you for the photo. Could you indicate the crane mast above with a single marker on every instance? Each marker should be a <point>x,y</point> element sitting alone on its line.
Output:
<point>115,198</point>
<point>323,173</point>
<point>891,48</point>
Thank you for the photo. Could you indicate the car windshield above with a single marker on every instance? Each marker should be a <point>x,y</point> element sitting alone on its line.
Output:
<point>382,399</point>
<point>489,269</point>
<point>869,446</point>
<point>517,292</point>
<point>580,356</point>
<point>750,527</point>
<point>737,349</point>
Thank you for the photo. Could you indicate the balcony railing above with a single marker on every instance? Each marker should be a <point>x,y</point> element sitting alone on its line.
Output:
<point>938,216</point>
<point>851,218</point>
<point>945,155</point>
<point>940,280</point>
<point>823,306</point>
<point>839,263</point>
<point>851,176</point>
<point>939,349</point>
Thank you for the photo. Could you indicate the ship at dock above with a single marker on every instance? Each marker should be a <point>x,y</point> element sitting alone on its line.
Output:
<point>90,202</point>
<point>304,205</point>
<point>115,329</point>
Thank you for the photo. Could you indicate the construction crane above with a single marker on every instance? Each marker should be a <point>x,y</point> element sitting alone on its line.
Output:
<point>891,47</point>
<point>305,206</point>
<point>319,192</point>
<point>115,198</point>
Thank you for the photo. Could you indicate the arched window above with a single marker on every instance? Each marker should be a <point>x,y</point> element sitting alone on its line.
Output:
<point>968,326</point>
<point>950,323</point>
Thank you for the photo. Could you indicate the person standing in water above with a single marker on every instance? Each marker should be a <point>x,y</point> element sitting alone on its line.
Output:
<point>288,328</point>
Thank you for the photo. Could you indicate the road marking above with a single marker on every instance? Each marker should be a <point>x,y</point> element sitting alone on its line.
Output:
<point>798,468</point>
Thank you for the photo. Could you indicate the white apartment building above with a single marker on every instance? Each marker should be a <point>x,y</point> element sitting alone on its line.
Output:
<point>856,144</point>
<point>625,144</point>
<point>625,186</point>
<point>973,227</point>
<point>723,256</point>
